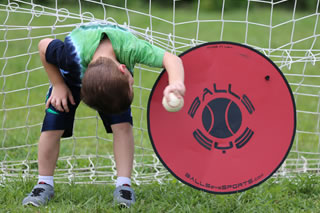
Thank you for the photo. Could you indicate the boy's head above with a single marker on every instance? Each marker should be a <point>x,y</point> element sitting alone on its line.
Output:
<point>107,86</point>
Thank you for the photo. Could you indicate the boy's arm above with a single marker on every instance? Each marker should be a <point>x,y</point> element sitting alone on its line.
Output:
<point>173,65</point>
<point>60,92</point>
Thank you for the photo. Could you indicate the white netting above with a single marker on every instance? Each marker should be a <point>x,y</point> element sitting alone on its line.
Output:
<point>277,28</point>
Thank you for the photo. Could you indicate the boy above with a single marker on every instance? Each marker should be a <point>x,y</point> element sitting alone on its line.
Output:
<point>95,64</point>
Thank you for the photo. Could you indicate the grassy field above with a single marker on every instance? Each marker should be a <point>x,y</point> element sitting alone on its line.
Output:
<point>299,195</point>
<point>20,126</point>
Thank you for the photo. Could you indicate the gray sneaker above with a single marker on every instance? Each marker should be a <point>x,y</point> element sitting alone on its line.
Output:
<point>39,196</point>
<point>124,196</point>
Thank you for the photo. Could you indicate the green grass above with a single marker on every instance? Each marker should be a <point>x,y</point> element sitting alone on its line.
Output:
<point>299,195</point>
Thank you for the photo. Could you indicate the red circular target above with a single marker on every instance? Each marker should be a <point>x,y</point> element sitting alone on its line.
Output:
<point>237,124</point>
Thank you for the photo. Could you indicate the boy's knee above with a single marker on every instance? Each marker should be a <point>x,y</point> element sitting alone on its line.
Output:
<point>52,134</point>
<point>121,128</point>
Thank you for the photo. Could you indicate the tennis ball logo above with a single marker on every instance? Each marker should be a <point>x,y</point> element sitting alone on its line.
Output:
<point>221,118</point>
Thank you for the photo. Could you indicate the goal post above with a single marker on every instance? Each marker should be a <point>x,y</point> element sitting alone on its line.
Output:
<point>280,29</point>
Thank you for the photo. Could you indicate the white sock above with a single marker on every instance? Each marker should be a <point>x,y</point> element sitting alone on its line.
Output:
<point>46,179</point>
<point>123,180</point>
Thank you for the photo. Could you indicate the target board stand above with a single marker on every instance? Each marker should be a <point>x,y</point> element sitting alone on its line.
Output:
<point>237,125</point>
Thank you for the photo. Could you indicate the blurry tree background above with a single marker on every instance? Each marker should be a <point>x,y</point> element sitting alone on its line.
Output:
<point>208,4</point>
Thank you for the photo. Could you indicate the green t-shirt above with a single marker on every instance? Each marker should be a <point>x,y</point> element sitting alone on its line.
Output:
<point>128,48</point>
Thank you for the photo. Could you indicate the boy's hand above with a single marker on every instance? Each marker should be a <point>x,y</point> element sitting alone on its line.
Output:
<point>59,98</point>
<point>178,88</point>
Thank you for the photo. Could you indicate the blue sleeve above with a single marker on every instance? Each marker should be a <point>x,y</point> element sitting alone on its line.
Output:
<point>63,55</point>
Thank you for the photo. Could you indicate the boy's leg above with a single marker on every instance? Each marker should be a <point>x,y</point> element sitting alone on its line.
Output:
<point>56,124</point>
<point>48,152</point>
<point>123,147</point>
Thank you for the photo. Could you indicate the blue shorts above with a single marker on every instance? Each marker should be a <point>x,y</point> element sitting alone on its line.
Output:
<point>57,120</point>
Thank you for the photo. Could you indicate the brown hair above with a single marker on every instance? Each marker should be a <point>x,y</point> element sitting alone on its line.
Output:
<point>105,88</point>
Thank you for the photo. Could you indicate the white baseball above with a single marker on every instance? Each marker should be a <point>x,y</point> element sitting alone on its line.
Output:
<point>174,104</point>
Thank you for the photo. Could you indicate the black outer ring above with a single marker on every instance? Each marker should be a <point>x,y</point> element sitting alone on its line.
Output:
<point>294,114</point>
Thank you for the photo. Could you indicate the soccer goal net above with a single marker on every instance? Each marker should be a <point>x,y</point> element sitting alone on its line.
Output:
<point>287,31</point>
